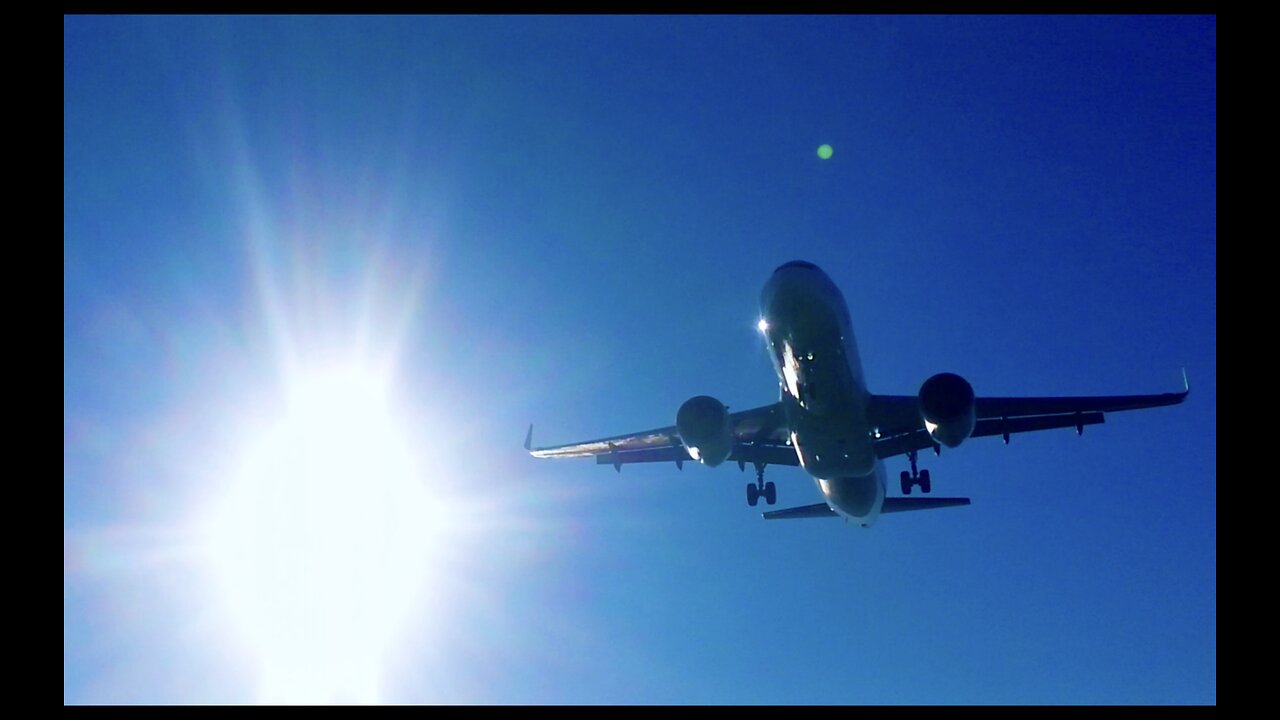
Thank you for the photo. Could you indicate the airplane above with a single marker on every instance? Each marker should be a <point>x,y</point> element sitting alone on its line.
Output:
<point>828,423</point>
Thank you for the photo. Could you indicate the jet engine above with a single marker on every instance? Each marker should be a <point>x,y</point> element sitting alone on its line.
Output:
<point>703,424</point>
<point>946,404</point>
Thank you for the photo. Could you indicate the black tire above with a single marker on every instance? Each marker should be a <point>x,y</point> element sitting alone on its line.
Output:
<point>753,494</point>
<point>905,477</point>
<point>925,484</point>
<point>770,493</point>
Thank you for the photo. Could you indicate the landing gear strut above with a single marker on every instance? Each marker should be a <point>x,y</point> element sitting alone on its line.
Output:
<point>760,488</point>
<point>915,477</point>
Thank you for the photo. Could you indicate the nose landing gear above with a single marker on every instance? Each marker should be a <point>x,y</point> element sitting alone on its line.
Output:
<point>915,477</point>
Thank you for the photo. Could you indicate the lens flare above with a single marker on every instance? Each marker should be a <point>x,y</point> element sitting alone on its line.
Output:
<point>322,541</point>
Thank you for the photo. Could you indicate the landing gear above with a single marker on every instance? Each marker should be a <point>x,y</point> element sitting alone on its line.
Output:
<point>915,477</point>
<point>760,488</point>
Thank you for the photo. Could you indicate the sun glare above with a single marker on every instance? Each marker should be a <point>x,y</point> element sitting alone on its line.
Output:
<point>333,527</point>
<point>321,543</point>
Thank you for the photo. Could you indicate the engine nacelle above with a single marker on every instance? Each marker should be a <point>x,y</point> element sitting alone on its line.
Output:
<point>946,405</point>
<point>703,424</point>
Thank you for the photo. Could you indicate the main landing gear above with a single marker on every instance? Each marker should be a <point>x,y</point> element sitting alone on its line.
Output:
<point>920,478</point>
<point>760,488</point>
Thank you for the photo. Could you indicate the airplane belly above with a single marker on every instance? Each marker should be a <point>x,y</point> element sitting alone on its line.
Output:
<point>834,456</point>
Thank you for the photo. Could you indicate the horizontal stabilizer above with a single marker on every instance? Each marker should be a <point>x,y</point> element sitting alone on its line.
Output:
<point>807,511</point>
<point>903,504</point>
<point>891,505</point>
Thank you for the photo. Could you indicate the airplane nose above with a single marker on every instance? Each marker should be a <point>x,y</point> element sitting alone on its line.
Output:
<point>786,289</point>
<point>796,264</point>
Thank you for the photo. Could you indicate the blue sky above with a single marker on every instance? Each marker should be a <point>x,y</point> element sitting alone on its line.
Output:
<point>567,221</point>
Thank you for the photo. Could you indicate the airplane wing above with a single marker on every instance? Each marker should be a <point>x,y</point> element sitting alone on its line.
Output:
<point>902,428</point>
<point>760,436</point>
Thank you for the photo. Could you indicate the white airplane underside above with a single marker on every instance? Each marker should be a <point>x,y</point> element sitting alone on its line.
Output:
<point>827,422</point>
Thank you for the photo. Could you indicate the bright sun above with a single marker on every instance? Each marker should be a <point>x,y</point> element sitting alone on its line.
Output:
<point>321,543</point>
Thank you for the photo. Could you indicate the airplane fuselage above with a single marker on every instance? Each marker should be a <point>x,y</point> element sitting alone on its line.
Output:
<point>823,392</point>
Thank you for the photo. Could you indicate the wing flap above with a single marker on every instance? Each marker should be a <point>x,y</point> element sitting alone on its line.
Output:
<point>903,444</point>
<point>659,454</point>
<point>1001,426</point>
<point>920,439</point>
<point>659,438</point>
<point>999,407</point>
<point>766,454</point>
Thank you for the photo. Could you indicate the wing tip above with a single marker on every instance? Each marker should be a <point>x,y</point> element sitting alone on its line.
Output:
<point>528,439</point>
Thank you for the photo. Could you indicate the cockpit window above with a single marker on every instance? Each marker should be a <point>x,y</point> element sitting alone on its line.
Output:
<point>797,263</point>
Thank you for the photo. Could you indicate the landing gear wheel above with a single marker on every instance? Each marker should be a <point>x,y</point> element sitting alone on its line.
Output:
<point>760,488</point>
<point>915,477</point>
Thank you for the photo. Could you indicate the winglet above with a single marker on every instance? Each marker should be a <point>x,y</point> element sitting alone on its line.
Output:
<point>1186,386</point>
<point>528,438</point>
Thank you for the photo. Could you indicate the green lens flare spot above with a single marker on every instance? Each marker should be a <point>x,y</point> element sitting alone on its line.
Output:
<point>825,152</point>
